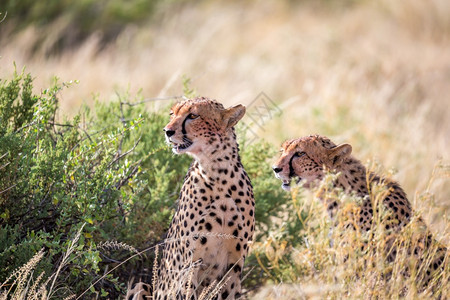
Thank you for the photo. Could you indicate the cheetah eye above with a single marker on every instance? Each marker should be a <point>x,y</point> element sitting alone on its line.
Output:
<point>192,116</point>
<point>171,113</point>
<point>299,154</point>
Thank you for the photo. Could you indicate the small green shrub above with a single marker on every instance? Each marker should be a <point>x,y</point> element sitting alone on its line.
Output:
<point>106,177</point>
<point>56,178</point>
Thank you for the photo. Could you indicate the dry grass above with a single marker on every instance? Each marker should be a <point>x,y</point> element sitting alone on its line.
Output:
<point>374,74</point>
<point>182,286</point>
<point>335,263</point>
<point>22,284</point>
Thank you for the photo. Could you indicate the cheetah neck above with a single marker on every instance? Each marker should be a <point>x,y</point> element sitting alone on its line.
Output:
<point>352,178</point>
<point>218,180</point>
<point>221,155</point>
<point>355,178</point>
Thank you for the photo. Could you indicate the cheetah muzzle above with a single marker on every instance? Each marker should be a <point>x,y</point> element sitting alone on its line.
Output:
<point>287,180</point>
<point>179,148</point>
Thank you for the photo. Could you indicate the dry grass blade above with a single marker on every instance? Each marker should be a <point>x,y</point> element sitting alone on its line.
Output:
<point>114,245</point>
<point>21,277</point>
<point>206,291</point>
<point>155,270</point>
<point>219,286</point>
<point>66,257</point>
<point>223,282</point>
<point>34,292</point>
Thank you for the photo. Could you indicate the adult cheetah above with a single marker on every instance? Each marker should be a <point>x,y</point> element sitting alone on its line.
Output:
<point>306,160</point>
<point>210,233</point>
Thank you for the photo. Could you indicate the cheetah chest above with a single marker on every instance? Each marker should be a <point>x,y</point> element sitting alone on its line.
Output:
<point>214,223</point>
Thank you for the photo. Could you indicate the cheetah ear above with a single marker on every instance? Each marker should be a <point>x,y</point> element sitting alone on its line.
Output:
<point>232,115</point>
<point>337,155</point>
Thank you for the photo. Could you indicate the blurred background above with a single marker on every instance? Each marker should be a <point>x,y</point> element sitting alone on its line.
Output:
<point>375,74</point>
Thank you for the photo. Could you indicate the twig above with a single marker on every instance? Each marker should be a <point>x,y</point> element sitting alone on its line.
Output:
<point>6,13</point>
<point>124,154</point>
<point>132,173</point>
<point>88,137</point>
<point>66,257</point>
<point>109,258</point>
<point>5,165</point>
<point>122,119</point>
<point>73,126</point>
<point>24,126</point>
<point>101,278</point>
<point>8,188</point>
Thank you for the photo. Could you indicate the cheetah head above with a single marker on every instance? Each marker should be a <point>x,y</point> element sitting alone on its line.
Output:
<point>197,124</point>
<point>306,158</point>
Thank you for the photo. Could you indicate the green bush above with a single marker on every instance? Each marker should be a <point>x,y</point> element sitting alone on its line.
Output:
<point>75,187</point>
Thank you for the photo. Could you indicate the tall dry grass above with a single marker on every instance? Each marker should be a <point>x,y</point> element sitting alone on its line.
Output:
<point>22,284</point>
<point>339,263</point>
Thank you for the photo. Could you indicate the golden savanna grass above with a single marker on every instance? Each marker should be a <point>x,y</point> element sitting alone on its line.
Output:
<point>337,263</point>
<point>374,74</point>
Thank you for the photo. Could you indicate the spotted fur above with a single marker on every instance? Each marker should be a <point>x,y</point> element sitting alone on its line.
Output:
<point>306,160</point>
<point>210,233</point>
<point>139,291</point>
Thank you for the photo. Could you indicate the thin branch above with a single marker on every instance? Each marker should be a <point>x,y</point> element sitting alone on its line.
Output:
<point>62,125</point>
<point>1,157</point>
<point>101,278</point>
<point>6,13</point>
<point>122,119</point>
<point>25,126</point>
<point>109,258</point>
<point>88,137</point>
<point>8,189</point>
<point>122,115</point>
<point>5,165</point>
<point>73,126</point>
<point>124,154</point>
<point>132,173</point>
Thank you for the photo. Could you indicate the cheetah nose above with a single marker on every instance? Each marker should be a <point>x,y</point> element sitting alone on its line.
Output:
<point>277,170</point>
<point>169,133</point>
